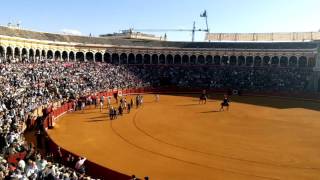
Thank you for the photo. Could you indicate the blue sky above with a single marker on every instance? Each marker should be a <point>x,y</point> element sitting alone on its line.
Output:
<point>107,16</point>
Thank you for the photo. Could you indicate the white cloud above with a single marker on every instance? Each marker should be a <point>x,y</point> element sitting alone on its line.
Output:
<point>71,32</point>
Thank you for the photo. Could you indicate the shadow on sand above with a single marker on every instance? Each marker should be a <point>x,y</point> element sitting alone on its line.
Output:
<point>274,102</point>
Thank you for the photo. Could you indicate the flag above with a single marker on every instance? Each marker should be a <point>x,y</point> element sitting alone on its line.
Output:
<point>204,14</point>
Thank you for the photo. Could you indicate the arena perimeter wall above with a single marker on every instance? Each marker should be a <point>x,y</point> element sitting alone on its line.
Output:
<point>98,171</point>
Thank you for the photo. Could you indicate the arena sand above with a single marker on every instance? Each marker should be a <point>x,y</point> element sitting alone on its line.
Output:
<point>176,138</point>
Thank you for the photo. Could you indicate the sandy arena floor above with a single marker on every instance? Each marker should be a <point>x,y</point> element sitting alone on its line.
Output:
<point>176,138</point>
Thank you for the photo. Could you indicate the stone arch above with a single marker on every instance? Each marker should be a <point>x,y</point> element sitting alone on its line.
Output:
<point>193,60</point>
<point>115,58</point>
<point>89,56</point>
<point>185,59</point>
<point>2,51</point>
<point>139,59</point>
<point>57,55</point>
<point>43,54</point>
<point>17,53</point>
<point>64,56</point>
<point>31,55</point>
<point>98,57</point>
<point>146,59</point>
<point>24,53</point>
<point>169,59</point>
<point>162,59</point>
<point>241,60</point>
<point>9,52</point>
<point>225,60</point>
<point>257,61</point>
<point>311,62</point>
<point>154,59</point>
<point>209,59</point>
<point>216,60</point>
<point>283,61</point>
<point>80,56</point>
<point>177,59</point>
<point>249,61</point>
<point>233,60</point>
<point>107,57</point>
<point>303,61</point>
<point>275,61</point>
<point>71,56</point>
<point>201,59</point>
<point>123,58</point>
<point>131,58</point>
<point>266,61</point>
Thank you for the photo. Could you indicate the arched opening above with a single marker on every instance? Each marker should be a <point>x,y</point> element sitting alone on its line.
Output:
<point>71,56</point>
<point>185,59</point>
<point>139,59</point>
<point>266,61</point>
<point>50,54</point>
<point>177,59</point>
<point>275,61</point>
<point>65,55</point>
<point>154,59</point>
<point>193,60</point>
<point>293,61</point>
<point>31,55</point>
<point>311,62</point>
<point>302,61</point>
<point>80,56</point>
<point>57,55</point>
<point>225,60</point>
<point>241,60</point>
<point>24,54</point>
<point>98,57</point>
<point>146,59</point>
<point>216,60</point>
<point>17,53</point>
<point>9,53</point>
<point>257,61</point>
<point>209,59</point>
<point>89,56</point>
<point>123,58</point>
<point>43,54</point>
<point>283,61</point>
<point>107,58</point>
<point>201,59</point>
<point>249,61</point>
<point>162,59</point>
<point>233,60</point>
<point>115,58</point>
<point>169,59</point>
<point>131,59</point>
<point>37,56</point>
<point>1,52</point>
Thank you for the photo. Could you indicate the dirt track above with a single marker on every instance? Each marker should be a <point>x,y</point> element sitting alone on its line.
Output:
<point>176,138</point>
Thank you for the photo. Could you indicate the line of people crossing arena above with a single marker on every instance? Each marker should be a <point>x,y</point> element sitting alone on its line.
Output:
<point>26,87</point>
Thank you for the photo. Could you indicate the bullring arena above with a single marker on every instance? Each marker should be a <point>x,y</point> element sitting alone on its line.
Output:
<point>51,87</point>
<point>178,138</point>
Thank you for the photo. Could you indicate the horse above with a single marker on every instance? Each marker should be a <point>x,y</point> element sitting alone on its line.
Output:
<point>203,99</point>
<point>225,103</point>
